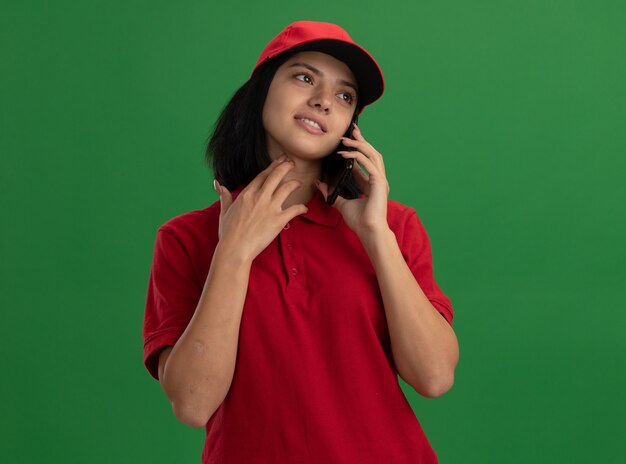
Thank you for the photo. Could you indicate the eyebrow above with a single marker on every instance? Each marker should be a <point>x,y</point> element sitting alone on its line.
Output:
<point>320,74</point>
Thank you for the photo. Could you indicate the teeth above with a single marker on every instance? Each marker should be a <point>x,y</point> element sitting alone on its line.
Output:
<point>311,123</point>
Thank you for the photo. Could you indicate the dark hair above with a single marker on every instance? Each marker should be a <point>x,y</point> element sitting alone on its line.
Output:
<point>237,148</point>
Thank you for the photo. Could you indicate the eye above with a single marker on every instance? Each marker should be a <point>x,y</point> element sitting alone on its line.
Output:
<point>305,76</point>
<point>347,97</point>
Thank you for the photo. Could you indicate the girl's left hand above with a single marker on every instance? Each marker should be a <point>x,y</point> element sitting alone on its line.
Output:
<point>368,213</point>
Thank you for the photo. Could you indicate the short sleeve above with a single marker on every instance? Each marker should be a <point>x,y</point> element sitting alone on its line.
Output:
<point>415,246</point>
<point>173,294</point>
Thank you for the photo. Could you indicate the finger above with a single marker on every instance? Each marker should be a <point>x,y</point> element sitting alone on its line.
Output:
<point>285,189</point>
<point>258,181</point>
<point>226,198</point>
<point>294,211</point>
<point>363,147</point>
<point>362,179</point>
<point>276,176</point>
<point>367,149</point>
<point>358,144</point>
<point>369,166</point>
<point>357,138</point>
<point>356,132</point>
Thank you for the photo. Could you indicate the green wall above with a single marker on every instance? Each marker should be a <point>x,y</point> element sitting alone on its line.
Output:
<point>503,125</point>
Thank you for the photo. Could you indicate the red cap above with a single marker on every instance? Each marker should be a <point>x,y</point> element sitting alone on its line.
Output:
<point>333,40</point>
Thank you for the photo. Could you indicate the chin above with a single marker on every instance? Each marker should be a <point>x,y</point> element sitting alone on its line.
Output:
<point>311,156</point>
<point>310,151</point>
<point>301,146</point>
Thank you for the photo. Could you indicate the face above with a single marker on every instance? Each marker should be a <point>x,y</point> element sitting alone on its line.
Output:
<point>309,106</point>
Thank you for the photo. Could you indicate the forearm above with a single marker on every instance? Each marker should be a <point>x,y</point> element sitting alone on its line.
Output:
<point>199,370</point>
<point>424,346</point>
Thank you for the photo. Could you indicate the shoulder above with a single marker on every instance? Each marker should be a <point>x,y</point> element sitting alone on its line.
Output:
<point>398,214</point>
<point>193,225</point>
<point>404,221</point>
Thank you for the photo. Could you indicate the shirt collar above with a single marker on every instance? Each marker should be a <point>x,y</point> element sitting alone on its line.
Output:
<point>319,211</point>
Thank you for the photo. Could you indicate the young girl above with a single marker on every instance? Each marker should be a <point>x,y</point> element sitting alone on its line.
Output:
<point>277,321</point>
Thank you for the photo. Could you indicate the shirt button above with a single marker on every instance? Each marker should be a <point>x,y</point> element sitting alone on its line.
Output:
<point>287,226</point>
<point>294,271</point>
<point>290,246</point>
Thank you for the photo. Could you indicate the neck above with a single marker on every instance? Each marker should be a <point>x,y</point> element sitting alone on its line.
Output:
<point>306,172</point>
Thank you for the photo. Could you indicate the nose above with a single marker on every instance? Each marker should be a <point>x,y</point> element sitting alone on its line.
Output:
<point>322,99</point>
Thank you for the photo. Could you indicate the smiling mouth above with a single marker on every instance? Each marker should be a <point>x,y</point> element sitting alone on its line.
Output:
<point>311,123</point>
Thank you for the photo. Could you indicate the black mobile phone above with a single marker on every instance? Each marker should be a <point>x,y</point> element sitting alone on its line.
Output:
<point>341,179</point>
<point>342,171</point>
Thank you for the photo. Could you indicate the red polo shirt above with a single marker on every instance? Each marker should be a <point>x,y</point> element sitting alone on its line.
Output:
<point>315,380</point>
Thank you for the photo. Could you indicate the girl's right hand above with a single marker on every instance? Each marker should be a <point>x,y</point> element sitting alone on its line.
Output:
<point>255,218</point>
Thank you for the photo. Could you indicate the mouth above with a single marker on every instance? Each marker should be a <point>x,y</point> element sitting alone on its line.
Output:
<point>315,124</point>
